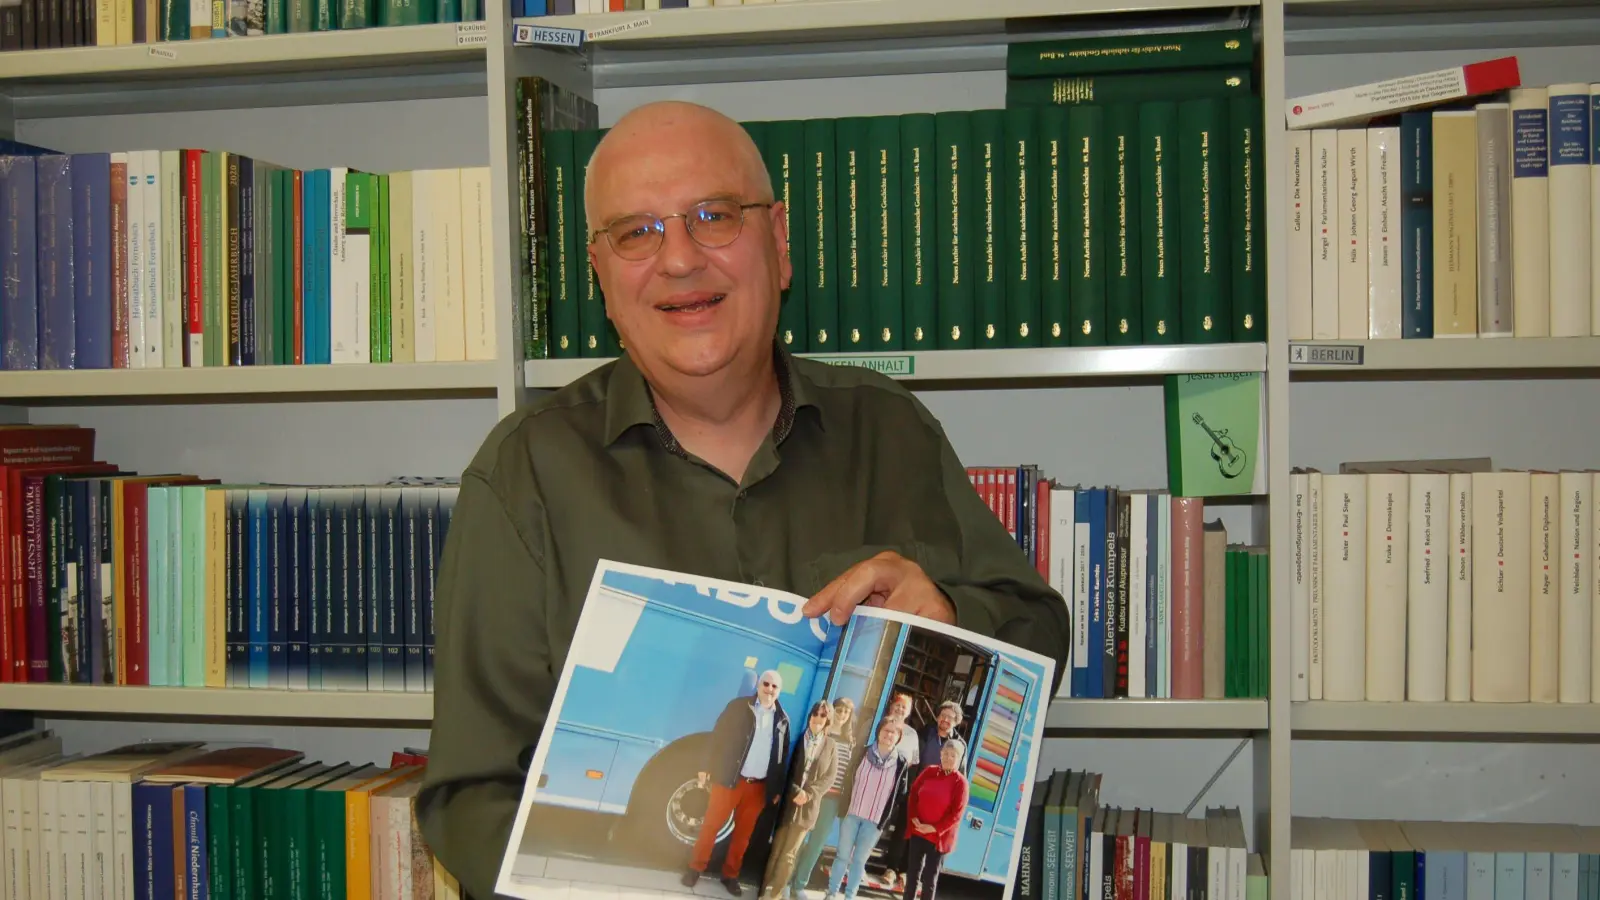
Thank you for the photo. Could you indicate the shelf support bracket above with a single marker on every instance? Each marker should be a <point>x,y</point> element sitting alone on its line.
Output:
<point>1243,742</point>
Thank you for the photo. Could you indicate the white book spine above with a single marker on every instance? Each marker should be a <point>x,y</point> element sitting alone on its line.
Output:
<point>172,336</point>
<point>1544,597</point>
<point>341,288</point>
<point>1080,597</point>
<point>1458,654</point>
<point>1324,237</point>
<point>1316,650</point>
<point>358,275</point>
<point>1062,506</point>
<point>33,836</point>
<point>1530,211</point>
<point>424,255</point>
<point>1594,586</point>
<point>1383,232</point>
<point>477,275</point>
<point>1300,585</point>
<point>1352,234</point>
<point>449,339</point>
<point>1344,572</point>
<point>1494,220</point>
<point>76,823</point>
<point>1138,612</point>
<point>1164,594</point>
<point>1388,527</point>
<point>1577,613</point>
<point>1570,225</point>
<point>1298,150</point>
<point>50,841</point>
<point>133,260</point>
<point>1428,589</point>
<point>1500,611</point>
<point>103,857</point>
<point>154,298</point>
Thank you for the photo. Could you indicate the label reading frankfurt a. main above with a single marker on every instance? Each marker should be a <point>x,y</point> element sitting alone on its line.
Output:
<point>472,34</point>
<point>1326,354</point>
<point>543,36</point>
<point>596,34</point>
<point>898,365</point>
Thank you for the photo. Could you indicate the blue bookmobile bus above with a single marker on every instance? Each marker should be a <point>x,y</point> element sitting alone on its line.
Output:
<point>679,657</point>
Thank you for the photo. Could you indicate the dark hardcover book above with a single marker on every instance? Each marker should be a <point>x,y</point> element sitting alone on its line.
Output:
<point>989,219</point>
<point>257,560</point>
<point>955,235</point>
<point>90,554</point>
<point>154,865</point>
<point>379,613</point>
<point>19,302</point>
<point>1123,590</point>
<point>850,171</point>
<point>79,544</point>
<point>364,631</point>
<point>277,580</point>
<point>1120,216</point>
<point>783,149</point>
<point>244,268</point>
<point>296,583</point>
<point>820,267</point>
<point>314,576</point>
<point>404,569</point>
<point>339,657</point>
<point>919,223</point>
<point>437,517</point>
<point>390,544</point>
<point>53,227</point>
<point>237,640</point>
<point>1416,224</point>
<point>1019,202</point>
<point>1109,594</point>
<point>1085,209</point>
<point>1246,150</point>
<point>884,237</point>
<point>91,260</point>
<point>564,243</point>
<point>1203,185</point>
<point>1159,287</point>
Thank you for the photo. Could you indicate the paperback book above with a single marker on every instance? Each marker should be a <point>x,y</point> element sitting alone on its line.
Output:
<point>706,738</point>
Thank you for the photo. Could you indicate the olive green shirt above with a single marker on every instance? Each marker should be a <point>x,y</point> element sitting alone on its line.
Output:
<point>854,465</point>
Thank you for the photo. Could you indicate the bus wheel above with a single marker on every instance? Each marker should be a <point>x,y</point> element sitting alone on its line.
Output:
<point>668,805</point>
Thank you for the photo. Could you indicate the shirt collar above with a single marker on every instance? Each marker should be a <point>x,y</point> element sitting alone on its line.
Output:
<point>629,401</point>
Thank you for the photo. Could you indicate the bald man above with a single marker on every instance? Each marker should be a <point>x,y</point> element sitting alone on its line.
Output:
<point>706,448</point>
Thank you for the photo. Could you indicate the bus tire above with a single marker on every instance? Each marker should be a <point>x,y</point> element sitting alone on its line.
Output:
<point>667,804</point>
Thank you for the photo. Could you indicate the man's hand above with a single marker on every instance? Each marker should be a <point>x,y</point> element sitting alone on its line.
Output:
<point>800,798</point>
<point>888,580</point>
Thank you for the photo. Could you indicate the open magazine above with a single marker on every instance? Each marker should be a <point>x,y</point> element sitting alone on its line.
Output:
<point>707,739</point>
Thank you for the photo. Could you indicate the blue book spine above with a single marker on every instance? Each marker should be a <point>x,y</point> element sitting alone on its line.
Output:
<point>438,517</point>
<point>298,603</point>
<point>277,565</point>
<point>1095,664</point>
<point>154,876</point>
<point>1416,224</point>
<point>258,621</point>
<point>380,615</point>
<point>335,504</point>
<point>57,297</point>
<point>1080,671</point>
<point>363,625</point>
<point>324,262</point>
<point>349,631</point>
<point>197,879</point>
<point>91,259</point>
<point>238,595</point>
<point>410,586</point>
<point>316,600</point>
<point>19,289</point>
<point>391,587</point>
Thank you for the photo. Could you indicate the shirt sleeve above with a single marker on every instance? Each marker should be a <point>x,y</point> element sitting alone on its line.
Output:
<point>493,680</point>
<point>995,589</point>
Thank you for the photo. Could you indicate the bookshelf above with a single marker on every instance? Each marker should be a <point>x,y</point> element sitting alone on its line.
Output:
<point>816,57</point>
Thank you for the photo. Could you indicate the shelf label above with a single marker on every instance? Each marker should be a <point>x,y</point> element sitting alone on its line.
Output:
<point>895,365</point>
<point>544,36</point>
<point>472,34</point>
<point>620,28</point>
<point>166,53</point>
<point>1326,354</point>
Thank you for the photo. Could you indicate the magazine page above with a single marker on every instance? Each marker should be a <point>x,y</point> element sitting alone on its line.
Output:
<point>909,751</point>
<point>653,726</point>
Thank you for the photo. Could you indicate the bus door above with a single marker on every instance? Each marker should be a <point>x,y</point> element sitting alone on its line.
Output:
<point>1003,734</point>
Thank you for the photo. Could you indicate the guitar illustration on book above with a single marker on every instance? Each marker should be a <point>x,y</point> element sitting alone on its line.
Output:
<point>1230,459</point>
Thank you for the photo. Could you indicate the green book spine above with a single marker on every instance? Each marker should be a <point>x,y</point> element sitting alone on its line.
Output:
<point>591,306</point>
<point>989,297</point>
<point>245,847</point>
<point>559,206</point>
<point>1129,87</point>
<point>354,14</point>
<point>1249,277</point>
<point>448,11</point>
<point>855,299</point>
<point>219,842</point>
<point>286,280</point>
<point>324,15</point>
<point>919,277</point>
<point>302,15</point>
<point>954,236</point>
<point>1128,53</point>
<point>819,202</point>
<point>266,242</point>
<point>784,150</point>
<point>327,844</point>
<point>1019,200</point>
<point>1055,245</point>
<point>1232,581</point>
<point>1121,217</point>
<point>882,215</point>
<point>1086,129</point>
<point>1203,189</point>
<point>1158,219</point>
<point>383,345</point>
<point>176,22</point>
<point>407,12</point>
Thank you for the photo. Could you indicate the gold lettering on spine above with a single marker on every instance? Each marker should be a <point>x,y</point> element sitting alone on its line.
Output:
<point>988,212</point>
<point>1205,201</point>
<point>883,218</point>
<point>820,271</point>
<point>955,214</point>
<point>1085,179</point>
<point>916,217</point>
<point>1022,207</point>
<point>1055,210</point>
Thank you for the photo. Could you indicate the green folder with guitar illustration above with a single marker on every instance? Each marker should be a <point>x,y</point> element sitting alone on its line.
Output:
<point>1215,442</point>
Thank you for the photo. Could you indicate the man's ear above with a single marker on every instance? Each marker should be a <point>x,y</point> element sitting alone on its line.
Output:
<point>779,216</point>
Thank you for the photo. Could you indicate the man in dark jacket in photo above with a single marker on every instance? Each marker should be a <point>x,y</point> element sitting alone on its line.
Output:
<point>745,770</point>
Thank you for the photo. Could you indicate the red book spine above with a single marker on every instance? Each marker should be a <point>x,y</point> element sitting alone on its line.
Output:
<point>1188,598</point>
<point>1041,529</point>
<point>1141,872</point>
<point>194,262</point>
<point>33,544</point>
<point>119,265</point>
<point>136,605</point>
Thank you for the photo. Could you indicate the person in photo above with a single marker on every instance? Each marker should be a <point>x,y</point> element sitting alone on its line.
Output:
<point>934,807</point>
<point>842,730</point>
<point>909,748</point>
<point>941,729</point>
<point>878,777</point>
<point>745,771</point>
<point>812,774</point>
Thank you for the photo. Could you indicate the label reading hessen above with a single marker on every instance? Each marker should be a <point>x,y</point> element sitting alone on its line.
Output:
<point>1326,354</point>
<point>540,35</point>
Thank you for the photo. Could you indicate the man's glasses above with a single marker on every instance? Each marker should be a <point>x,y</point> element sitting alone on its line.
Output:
<point>712,224</point>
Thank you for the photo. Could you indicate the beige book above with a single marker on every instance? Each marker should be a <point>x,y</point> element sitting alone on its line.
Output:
<point>127,763</point>
<point>1428,587</point>
<point>1344,585</point>
<point>1388,532</point>
<point>1297,148</point>
<point>402,322</point>
<point>1501,613</point>
<point>1544,598</point>
<point>477,269</point>
<point>1354,300</point>
<point>1213,568</point>
<point>1530,215</point>
<point>445,283</point>
<point>1455,223</point>
<point>1458,654</point>
<point>1324,234</point>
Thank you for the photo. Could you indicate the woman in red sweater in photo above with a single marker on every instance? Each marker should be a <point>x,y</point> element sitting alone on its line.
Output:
<point>934,806</point>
